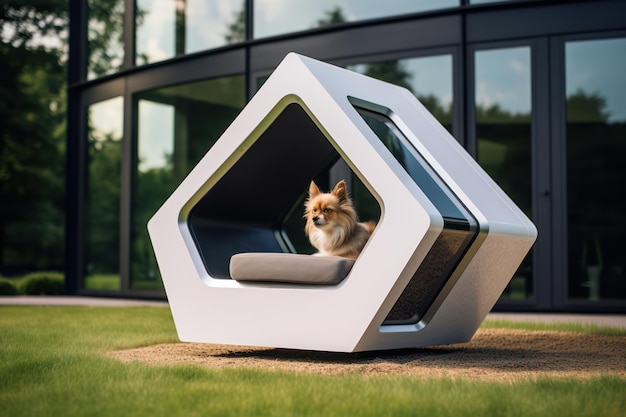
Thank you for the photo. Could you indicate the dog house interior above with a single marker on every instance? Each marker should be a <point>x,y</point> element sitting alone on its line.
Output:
<point>257,205</point>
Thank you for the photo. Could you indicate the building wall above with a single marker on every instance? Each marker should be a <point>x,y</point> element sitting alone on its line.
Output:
<point>532,89</point>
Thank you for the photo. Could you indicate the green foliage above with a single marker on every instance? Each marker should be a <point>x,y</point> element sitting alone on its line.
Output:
<point>53,363</point>
<point>495,114</point>
<point>586,107</point>
<point>32,132</point>
<point>103,282</point>
<point>42,283</point>
<point>106,36</point>
<point>394,72</point>
<point>103,199</point>
<point>334,16</point>
<point>30,21</point>
<point>154,185</point>
<point>236,31</point>
<point>7,287</point>
<point>557,327</point>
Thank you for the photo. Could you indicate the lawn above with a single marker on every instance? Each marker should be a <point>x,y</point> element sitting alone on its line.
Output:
<point>52,364</point>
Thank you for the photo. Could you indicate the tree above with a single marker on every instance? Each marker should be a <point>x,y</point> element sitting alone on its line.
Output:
<point>103,199</point>
<point>34,25</point>
<point>332,17</point>
<point>106,35</point>
<point>32,134</point>
<point>496,114</point>
<point>393,72</point>
<point>586,107</point>
<point>237,29</point>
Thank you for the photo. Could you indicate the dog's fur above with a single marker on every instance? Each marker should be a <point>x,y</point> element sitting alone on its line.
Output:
<point>332,224</point>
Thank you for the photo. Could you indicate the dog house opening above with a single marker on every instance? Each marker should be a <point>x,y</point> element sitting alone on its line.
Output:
<point>443,261</point>
<point>257,205</point>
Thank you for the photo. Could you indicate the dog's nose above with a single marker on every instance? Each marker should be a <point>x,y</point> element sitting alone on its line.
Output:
<point>316,219</point>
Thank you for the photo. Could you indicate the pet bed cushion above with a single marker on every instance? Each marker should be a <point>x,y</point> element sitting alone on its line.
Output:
<point>289,268</point>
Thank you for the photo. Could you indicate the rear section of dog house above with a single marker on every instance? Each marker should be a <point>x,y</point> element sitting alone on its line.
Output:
<point>447,242</point>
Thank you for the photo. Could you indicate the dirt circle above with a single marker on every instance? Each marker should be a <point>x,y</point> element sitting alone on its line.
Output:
<point>493,354</point>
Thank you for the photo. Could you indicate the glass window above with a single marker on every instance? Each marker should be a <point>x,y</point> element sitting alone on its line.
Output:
<point>503,135</point>
<point>429,78</point>
<point>166,28</point>
<point>273,17</point>
<point>596,172</point>
<point>102,220</point>
<point>106,37</point>
<point>176,127</point>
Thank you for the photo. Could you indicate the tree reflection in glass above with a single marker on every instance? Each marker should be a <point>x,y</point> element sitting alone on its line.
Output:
<point>176,127</point>
<point>596,168</point>
<point>429,78</point>
<point>503,136</point>
<point>168,28</point>
<point>102,219</point>
<point>273,17</point>
<point>105,37</point>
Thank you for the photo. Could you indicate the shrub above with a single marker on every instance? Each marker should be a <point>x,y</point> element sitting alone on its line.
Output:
<point>7,287</point>
<point>42,283</point>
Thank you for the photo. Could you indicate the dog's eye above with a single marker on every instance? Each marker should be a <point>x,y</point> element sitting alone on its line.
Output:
<point>327,211</point>
<point>314,210</point>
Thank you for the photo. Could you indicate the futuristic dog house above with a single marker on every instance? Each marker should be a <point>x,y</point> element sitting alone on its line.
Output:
<point>447,243</point>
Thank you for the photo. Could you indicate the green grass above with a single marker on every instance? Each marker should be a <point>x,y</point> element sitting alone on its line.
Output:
<point>103,282</point>
<point>560,327</point>
<point>51,365</point>
<point>113,282</point>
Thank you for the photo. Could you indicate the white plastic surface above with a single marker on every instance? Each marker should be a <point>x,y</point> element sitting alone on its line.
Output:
<point>346,317</point>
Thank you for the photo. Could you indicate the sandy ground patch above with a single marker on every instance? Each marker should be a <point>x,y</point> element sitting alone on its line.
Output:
<point>493,354</point>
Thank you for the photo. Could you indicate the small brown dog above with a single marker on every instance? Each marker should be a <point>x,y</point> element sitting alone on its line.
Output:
<point>332,224</point>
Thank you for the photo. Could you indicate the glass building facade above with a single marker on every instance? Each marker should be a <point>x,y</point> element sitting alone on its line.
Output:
<point>534,90</point>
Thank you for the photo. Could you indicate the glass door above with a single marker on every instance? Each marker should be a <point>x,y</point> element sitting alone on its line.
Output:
<point>595,141</point>
<point>503,136</point>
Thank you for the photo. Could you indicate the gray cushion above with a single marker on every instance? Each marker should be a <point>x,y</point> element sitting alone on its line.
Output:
<point>290,268</point>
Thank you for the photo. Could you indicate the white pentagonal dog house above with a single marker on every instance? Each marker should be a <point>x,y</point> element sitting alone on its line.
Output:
<point>446,245</point>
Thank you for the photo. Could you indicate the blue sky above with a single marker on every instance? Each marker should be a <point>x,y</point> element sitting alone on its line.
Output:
<point>503,78</point>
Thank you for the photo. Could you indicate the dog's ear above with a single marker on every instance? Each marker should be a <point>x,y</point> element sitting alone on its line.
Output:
<point>340,191</point>
<point>313,190</point>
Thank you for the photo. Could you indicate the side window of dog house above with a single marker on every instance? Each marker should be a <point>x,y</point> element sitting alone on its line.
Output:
<point>460,227</point>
